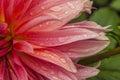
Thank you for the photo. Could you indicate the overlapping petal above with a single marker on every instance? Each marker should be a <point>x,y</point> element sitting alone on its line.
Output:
<point>14,9</point>
<point>32,75</point>
<point>4,51</point>
<point>37,44</point>
<point>32,23</point>
<point>3,27</point>
<point>46,69</point>
<point>92,26</point>
<point>83,48</point>
<point>58,37</point>
<point>87,24</point>
<point>55,57</point>
<point>50,55</point>
<point>86,72</point>
<point>23,46</point>
<point>17,66</point>
<point>2,68</point>
<point>71,8</point>
<point>59,9</point>
<point>9,74</point>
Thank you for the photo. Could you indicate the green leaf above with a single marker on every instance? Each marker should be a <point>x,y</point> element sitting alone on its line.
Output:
<point>101,2</point>
<point>115,4</point>
<point>105,16</point>
<point>111,46</point>
<point>80,18</point>
<point>117,30</point>
<point>110,69</point>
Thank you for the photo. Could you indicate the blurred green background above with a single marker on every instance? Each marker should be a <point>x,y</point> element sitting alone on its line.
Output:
<point>107,12</point>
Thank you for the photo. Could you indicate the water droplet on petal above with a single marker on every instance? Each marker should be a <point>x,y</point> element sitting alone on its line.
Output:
<point>70,5</point>
<point>47,23</point>
<point>42,8</point>
<point>55,78</point>
<point>66,12</point>
<point>85,36</point>
<point>40,25</point>
<point>63,60</point>
<point>56,8</point>
<point>69,52</point>
<point>63,76</point>
<point>43,68</point>
<point>31,13</point>
<point>62,39</point>
<point>51,72</point>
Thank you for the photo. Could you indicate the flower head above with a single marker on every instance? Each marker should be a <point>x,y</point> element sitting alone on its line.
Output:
<point>36,43</point>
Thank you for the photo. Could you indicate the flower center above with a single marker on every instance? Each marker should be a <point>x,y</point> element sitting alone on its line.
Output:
<point>6,38</point>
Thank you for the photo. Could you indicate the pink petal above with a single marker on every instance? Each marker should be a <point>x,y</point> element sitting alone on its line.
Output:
<point>58,37</point>
<point>35,9</point>
<point>85,24</point>
<point>32,75</point>
<point>64,12</point>
<point>83,48</point>
<point>46,69</point>
<point>14,9</point>
<point>21,6</point>
<point>2,68</point>
<point>17,67</point>
<point>86,72</point>
<point>2,43</point>
<point>88,6</point>
<point>57,8</point>
<point>23,46</point>
<point>10,74</point>
<point>3,27</point>
<point>4,51</point>
<point>55,57</point>
<point>9,7</point>
<point>33,22</point>
<point>92,26</point>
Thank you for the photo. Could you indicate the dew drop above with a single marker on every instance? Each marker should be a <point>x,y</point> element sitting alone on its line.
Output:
<point>60,17</point>
<point>63,60</point>
<point>86,71</point>
<point>51,72</point>
<point>70,5</point>
<point>47,23</point>
<point>66,12</point>
<point>47,53</point>
<point>42,8</point>
<point>61,40</point>
<point>40,25</point>
<point>56,8</point>
<point>43,68</point>
<point>69,52</point>
<point>85,36</point>
<point>31,13</point>
<point>63,76</point>
<point>37,53</point>
<point>73,12</point>
<point>55,78</point>
<point>52,57</point>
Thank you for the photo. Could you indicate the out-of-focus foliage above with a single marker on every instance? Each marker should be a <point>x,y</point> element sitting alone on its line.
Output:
<point>116,5</point>
<point>110,69</point>
<point>107,13</point>
<point>100,2</point>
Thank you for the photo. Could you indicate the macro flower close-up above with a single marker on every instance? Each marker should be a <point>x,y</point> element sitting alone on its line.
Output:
<point>37,42</point>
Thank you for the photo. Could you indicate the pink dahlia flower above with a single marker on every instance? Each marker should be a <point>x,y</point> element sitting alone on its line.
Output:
<point>37,44</point>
